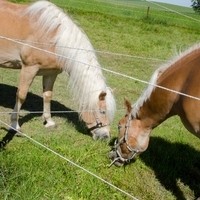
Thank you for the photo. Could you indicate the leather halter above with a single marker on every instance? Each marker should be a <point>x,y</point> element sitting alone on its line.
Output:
<point>99,124</point>
<point>122,140</point>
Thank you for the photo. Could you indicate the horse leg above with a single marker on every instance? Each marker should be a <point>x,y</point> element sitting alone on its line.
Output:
<point>48,82</point>
<point>27,75</point>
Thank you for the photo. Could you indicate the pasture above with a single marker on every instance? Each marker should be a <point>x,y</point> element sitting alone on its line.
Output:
<point>131,41</point>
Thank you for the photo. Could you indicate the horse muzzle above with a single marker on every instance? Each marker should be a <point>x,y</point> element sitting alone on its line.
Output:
<point>100,133</point>
<point>118,158</point>
<point>115,159</point>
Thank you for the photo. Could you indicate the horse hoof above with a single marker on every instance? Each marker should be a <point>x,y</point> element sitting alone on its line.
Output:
<point>19,134</point>
<point>50,124</point>
<point>2,146</point>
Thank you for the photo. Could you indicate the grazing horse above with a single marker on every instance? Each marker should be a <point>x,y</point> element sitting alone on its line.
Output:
<point>173,90</point>
<point>40,39</point>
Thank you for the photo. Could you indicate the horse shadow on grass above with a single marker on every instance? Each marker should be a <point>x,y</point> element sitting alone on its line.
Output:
<point>173,162</point>
<point>35,103</point>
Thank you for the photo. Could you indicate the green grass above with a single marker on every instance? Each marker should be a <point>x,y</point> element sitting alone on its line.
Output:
<point>168,170</point>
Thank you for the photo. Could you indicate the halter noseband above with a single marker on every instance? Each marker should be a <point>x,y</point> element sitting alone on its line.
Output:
<point>124,139</point>
<point>98,125</point>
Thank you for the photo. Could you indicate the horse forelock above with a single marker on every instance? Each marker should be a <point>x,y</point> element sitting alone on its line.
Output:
<point>76,56</point>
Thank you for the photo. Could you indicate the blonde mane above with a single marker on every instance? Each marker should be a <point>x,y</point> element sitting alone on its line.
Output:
<point>86,80</point>
<point>153,81</point>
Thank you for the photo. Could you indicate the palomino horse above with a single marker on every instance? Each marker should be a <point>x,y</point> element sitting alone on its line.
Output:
<point>40,39</point>
<point>159,102</point>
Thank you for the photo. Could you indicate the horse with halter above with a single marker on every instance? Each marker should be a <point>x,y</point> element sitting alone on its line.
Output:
<point>40,39</point>
<point>173,90</point>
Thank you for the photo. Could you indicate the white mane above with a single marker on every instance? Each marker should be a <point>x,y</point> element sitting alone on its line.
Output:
<point>153,81</point>
<point>86,80</point>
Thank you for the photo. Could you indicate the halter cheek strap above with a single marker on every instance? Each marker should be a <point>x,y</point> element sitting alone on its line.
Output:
<point>99,124</point>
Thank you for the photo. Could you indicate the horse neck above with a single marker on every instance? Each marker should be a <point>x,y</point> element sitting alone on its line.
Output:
<point>155,110</point>
<point>157,104</point>
<point>76,54</point>
<point>86,80</point>
<point>89,83</point>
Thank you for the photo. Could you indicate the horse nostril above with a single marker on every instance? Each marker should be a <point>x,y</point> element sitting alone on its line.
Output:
<point>112,155</point>
<point>119,163</point>
<point>115,160</point>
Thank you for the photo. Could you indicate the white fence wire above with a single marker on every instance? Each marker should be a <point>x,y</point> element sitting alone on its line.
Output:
<point>107,70</point>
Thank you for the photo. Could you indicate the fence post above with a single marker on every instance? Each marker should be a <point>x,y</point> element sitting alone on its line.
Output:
<point>148,9</point>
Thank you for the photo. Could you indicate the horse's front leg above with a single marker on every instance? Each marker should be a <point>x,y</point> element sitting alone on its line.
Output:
<point>27,75</point>
<point>48,82</point>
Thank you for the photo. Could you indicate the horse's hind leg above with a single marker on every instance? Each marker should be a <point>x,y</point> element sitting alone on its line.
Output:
<point>48,82</point>
<point>27,75</point>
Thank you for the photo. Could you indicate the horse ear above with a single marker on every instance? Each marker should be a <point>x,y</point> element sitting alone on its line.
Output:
<point>128,105</point>
<point>102,96</point>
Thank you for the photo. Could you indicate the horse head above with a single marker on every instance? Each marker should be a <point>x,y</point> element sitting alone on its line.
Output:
<point>133,138</point>
<point>97,120</point>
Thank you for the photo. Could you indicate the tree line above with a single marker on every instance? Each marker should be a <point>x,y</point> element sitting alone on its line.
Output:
<point>196,5</point>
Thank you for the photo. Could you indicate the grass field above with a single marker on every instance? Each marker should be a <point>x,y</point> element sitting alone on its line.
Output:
<point>129,41</point>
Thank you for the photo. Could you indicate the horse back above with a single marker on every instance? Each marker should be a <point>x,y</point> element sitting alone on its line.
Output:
<point>15,24</point>
<point>12,25</point>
